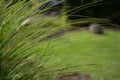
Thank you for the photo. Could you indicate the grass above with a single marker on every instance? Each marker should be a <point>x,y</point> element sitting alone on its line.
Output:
<point>97,55</point>
<point>24,57</point>
<point>20,56</point>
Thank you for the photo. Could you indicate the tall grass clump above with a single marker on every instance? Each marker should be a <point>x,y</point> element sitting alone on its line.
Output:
<point>23,56</point>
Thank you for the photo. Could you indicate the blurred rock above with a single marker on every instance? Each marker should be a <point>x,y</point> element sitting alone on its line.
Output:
<point>96,28</point>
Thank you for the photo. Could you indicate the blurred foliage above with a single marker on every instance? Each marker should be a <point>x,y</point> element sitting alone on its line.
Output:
<point>107,9</point>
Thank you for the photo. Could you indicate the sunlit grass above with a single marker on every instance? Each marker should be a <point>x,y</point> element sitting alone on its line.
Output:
<point>97,55</point>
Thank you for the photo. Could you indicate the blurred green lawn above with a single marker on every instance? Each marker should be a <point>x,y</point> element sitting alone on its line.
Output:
<point>98,55</point>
